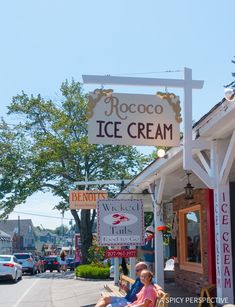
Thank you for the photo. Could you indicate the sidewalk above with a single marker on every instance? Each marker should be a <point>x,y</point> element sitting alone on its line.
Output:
<point>179,296</point>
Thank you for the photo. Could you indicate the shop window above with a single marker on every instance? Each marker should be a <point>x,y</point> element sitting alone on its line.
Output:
<point>190,238</point>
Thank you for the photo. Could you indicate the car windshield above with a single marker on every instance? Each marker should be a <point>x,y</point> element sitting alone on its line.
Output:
<point>22,256</point>
<point>5,259</point>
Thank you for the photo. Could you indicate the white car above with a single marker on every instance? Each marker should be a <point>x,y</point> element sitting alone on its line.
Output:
<point>10,268</point>
<point>27,261</point>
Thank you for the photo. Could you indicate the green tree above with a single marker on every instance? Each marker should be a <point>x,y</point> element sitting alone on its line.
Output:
<point>48,150</point>
<point>58,230</point>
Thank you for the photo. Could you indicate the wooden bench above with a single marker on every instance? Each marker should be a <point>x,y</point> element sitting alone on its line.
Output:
<point>112,290</point>
<point>162,300</point>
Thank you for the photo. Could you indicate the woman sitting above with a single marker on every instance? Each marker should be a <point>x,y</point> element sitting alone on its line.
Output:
<point>147,295</point>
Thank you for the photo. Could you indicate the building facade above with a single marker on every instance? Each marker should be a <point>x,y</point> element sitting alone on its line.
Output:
<point>5,243</point>
<point>204,226</point>
<point>21,233</point>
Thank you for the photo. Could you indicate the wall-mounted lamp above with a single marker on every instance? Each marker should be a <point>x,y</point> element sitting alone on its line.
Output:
<point>188,188</point>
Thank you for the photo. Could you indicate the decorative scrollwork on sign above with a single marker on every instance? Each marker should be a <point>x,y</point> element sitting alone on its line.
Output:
<point>94,98</point>
<point>174,102</point>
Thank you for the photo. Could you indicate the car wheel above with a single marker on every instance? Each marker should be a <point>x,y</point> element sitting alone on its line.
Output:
<point>14,279</point>
<point>51,271</point>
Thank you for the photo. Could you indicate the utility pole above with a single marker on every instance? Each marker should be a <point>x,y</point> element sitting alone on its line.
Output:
<point>18,235</point>
<point>62,227</point>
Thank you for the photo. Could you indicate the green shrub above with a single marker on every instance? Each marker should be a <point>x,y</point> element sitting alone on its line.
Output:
<point>96,253</point>
<point>92,271</point>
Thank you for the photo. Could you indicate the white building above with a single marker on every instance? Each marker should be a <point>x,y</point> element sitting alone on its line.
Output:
<point>5,243</point>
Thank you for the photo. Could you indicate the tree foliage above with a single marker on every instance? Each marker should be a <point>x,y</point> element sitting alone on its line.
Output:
<point>48,150</point>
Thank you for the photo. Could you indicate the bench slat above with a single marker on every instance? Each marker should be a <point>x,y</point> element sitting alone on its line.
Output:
<point>128,279</point>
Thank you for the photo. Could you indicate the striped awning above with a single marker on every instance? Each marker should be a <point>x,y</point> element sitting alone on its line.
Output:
<point>5,239</point>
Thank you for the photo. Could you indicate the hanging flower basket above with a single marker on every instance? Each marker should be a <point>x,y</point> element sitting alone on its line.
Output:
<point>162,228</point>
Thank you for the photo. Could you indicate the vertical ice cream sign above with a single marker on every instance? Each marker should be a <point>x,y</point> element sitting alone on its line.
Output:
<point>120,222</point>
<point>133,119</point>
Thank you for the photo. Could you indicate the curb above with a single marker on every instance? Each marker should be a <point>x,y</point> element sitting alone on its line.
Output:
<point>92,279</point>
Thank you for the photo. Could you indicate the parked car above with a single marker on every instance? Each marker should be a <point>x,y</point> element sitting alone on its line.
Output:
<point>72,263</point>
<point>27,261</point>
<point>10,268</point>
<point>52,263</point>
<point>39,264</point>
<point>111,271</point>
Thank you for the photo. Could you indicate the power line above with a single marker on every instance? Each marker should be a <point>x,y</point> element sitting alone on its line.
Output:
<point>42,215</point>
<point>147,73</point>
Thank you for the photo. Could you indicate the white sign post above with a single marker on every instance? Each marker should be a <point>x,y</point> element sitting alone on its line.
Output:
<point>214,176</point>
<point>187,84</point>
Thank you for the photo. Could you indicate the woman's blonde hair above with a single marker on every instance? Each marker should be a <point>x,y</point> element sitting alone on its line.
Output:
<point>150,274</point>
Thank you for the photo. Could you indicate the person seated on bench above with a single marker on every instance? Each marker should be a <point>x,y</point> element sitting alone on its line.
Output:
<point>116,301</point>
<point>148,294</point>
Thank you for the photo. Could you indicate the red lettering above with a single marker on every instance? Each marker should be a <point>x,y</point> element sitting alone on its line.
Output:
<point>74,196</point>
<point>226,259</point>
<point>227,283</point>
<point>225,219</point>
<point>225,238</point>
<point>226,248</point>
<point>224,208</point>
<point>84,197</point>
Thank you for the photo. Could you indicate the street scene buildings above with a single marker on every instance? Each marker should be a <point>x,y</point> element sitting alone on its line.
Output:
<point>117,153</point>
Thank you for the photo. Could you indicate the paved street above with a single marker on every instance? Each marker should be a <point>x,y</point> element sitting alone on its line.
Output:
<point>50,290</point>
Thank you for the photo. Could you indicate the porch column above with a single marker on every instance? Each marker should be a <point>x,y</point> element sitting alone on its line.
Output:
<point>158,236</point>
<point>223,252</point>
<point>116,271</point>
<point>132,265</point>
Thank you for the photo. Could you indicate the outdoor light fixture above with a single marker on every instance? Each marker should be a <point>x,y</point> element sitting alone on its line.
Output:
<point>229,94</point>
<point>161,153</point>
<point>188,188</point>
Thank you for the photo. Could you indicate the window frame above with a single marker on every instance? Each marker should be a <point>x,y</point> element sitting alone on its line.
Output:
<point>184,264</point>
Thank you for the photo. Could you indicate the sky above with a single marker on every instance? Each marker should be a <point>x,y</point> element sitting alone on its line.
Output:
<point>45,42</point>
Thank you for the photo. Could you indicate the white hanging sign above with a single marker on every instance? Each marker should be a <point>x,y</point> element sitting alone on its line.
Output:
<point>133,119</point>
<point>120,222</point>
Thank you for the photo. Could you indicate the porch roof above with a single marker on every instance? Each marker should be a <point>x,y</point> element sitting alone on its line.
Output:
<point>218,123</point>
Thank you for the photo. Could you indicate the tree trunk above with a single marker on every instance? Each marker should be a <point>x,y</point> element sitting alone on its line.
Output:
<point>86,234</point>
<point>85,225</point>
